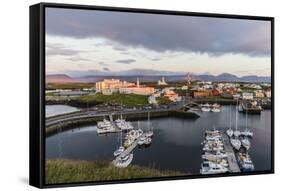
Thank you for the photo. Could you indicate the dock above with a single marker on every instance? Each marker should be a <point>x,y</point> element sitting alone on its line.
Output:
<point>231,159</point>
<point>129,149</point>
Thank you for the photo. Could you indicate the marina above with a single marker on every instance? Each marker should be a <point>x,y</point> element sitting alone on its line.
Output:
<point>179,137</point>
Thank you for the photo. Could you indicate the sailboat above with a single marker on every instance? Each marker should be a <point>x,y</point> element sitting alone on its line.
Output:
<point>120,149</point>
<point>247,132</point>
<point>149,133</point>
<point>229,131</point>
<point>235,142</point>
<point>244,140</point>
<point>124,161</point>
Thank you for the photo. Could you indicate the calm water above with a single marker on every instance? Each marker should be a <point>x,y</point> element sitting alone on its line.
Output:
<point>52,110</point>
<point>176,143</point>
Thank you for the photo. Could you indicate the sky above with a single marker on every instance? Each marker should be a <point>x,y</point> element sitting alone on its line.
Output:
<point>92,42</point>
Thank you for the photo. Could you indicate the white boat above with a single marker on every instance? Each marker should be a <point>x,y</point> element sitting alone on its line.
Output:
<point>119,151</point>
<point>124,161</point>
<point>214,156</point>
<point>214,169</point>
<point>149,133</point>
<point>246,143</point>
<point>148,141</point>
<point>206,109</point>
<point>237,133</point>
<point>229,132</point>
<point>235,143</point>
<point>247,133</point>
<point>142,140</point>
<point>104,124</point>
<point>215,110</point>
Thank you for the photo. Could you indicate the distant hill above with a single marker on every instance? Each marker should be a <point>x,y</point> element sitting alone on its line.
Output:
<point>224,77</point>
<point>59,78</point>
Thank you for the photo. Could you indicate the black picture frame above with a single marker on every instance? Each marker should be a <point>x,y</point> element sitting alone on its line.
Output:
<point>37,92</point>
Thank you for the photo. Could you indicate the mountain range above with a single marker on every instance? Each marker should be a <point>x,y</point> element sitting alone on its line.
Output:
<point>131,77</point>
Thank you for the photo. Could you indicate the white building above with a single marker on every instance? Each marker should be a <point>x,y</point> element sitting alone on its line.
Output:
<point>162,82</point>
<point>247,95</point>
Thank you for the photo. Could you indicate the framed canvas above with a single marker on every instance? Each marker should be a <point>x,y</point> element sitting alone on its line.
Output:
<point>123,95</point>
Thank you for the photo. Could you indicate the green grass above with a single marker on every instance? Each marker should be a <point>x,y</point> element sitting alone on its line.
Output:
<point>67,171</point>
<point>163,100</point>
<point>115,98</point>
<point>69,85</point>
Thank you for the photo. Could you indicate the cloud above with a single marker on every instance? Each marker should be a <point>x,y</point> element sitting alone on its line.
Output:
<point>78,59</point>
<point>127,61</point>
<point>55,49</point>
<point>155,59</point>
<point>102,64</point>
<point>106,69</point>
<point>215,36</point>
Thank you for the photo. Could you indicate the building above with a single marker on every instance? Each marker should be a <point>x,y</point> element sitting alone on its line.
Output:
<point>199,94</point>
<point>112,84</point>
<point>247,95</point>
<point>216,92</point>
<point>259,93</point>
<point>162,82</point>
<point>173,96</point>
<point>137,90</point>
<point>268,93</point>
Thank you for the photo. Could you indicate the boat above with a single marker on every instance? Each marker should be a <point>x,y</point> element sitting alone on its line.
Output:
<point>237,133</point>
<point>214,156</point>
<point>147,141</point>
<point>123,124</point>
<point>245,162</point>
<point>247,133</point>
<point>206,168</point>
<point>246,143</point>
<point>120,149</point>
<point>215,108</point>
<point>235,143</point>
<point>104,124</point>
<point>229,132</point>
<point>149,133</point>
<point>205,109</point>
<point>124,161</point>
<point>142,140</point>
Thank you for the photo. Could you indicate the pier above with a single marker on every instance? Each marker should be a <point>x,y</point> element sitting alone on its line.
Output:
<point>231,159</point>
<point>129,149</point>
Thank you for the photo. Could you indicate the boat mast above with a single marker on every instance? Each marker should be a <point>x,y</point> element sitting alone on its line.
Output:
<point>236,115</point>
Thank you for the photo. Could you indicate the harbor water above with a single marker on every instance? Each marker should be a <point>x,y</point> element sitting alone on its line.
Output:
<point>176,143</point>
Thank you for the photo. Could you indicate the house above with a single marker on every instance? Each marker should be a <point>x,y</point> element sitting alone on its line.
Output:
<point>216,92</point>
<point>198,94</point>
<point>259,93</point>
<point>247,95</point>
<point>268,93</point>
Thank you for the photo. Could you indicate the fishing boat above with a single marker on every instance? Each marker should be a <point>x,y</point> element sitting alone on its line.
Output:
<point>124,161</point>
